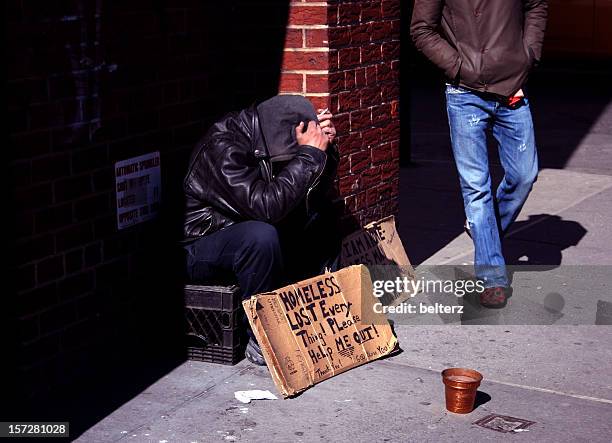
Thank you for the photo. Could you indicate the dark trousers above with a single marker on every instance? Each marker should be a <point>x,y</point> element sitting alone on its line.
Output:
<point>261,257</point>
<point>248,252</point>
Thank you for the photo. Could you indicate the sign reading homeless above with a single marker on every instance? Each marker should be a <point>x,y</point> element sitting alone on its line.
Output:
<point>312,330</point>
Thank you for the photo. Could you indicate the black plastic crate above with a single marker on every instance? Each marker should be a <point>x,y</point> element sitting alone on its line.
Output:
<point>216,331</point>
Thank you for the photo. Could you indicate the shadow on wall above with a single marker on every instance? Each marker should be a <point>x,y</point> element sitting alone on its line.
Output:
<point>98,311</point>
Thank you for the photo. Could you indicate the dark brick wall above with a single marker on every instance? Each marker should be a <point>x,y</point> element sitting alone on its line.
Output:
<point>91,82</point>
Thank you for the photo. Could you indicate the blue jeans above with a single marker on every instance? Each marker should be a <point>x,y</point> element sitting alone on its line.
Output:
<point>470,116</point>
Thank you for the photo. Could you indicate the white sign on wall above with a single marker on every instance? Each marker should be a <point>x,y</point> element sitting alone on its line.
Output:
<point>138,185</point>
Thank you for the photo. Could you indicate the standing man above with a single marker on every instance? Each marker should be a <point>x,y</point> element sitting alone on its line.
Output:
<point>486,49</point>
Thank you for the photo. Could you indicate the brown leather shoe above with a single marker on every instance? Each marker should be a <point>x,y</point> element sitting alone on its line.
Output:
<point>494,298</point>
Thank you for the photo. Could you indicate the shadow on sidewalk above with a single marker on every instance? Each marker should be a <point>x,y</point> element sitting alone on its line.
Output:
<point>541,239</point>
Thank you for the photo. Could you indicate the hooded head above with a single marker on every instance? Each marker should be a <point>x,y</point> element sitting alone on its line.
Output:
<point>278,117</point>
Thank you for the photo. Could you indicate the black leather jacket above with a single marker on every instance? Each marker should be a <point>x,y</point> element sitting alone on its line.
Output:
<point>230,178</point>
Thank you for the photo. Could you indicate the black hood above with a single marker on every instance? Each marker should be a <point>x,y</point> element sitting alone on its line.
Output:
<point>278,117</point>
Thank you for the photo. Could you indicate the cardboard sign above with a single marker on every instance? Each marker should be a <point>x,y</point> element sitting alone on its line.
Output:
<point>312,330</point>
<point>379,246</point>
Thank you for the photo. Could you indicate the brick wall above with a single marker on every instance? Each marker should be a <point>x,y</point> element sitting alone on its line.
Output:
<point>93,82</point>
<point>344,55</point>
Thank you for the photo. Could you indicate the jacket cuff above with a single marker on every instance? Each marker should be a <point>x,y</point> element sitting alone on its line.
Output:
<point>319,155</point>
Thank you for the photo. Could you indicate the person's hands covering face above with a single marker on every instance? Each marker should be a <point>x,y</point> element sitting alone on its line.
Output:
<point>313,135</point>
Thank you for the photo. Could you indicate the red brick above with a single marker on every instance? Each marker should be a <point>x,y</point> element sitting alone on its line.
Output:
<point>395,109</point>
<point>333,103</point>
<point>294,38</point>
<point>333,59</point>
<point>304,60</point>
<point>291,83</point>
<point>371,11</point>
<point>360,119</point>
<point>307,15</point>
<point>348,13</point>
<point>319,102</point>
<point>391,8</point>
<point>370,96</point>
<point>383,72</point>
<point>339,37</point>
<point>344,166</point>
<point>395,149</point>
<point>390,171</point>
<point>359,161</point>
<point>370,75</point>
<point>352,143</point>
<point>391,50</point>
<point>348,101</point>
<point>349,185</point>
<point>360,34</point>
<point>381,113</point>
<point>391,131</point>
<point>342,123</point>
<point>317,83</point>
<point>370,178</point>
<point>360,77</point>
<point>348,57</point>
<point>371,137</point>
<point>360,201</point>
<point>395,69</point>
<point>371,53</point>
<point>381,31</point>
<point>390,91</point>
<point>382,153</point>
<point>316,38</point>
<point>336,81</point>
<point>349,79</point>
<point>395,29</point>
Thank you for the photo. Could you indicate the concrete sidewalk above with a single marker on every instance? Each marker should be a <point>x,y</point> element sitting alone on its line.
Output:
<point>557,376</point>
<point>389,400</point>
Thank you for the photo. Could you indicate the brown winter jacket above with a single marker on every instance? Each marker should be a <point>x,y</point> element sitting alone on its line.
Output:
<point>484,45</point>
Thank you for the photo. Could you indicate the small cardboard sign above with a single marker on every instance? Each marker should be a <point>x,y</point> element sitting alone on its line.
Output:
<point>377,243</point>
<point>312,330</point>
<point>379,246</point>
